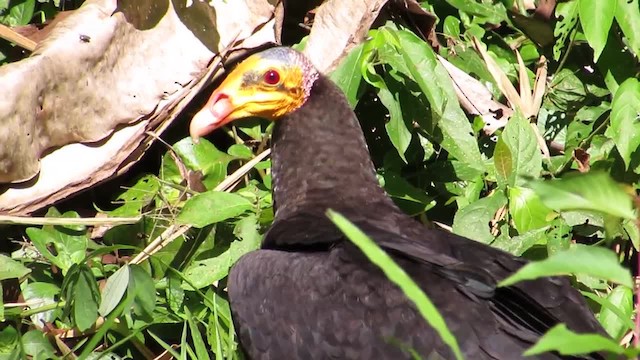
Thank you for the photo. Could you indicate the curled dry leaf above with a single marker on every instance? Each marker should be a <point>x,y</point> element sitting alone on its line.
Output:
<point>106,76</point>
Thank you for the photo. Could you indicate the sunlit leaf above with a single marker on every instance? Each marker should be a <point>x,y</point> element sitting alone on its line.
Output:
<point>566,342</point>
<point>212,207</point>
<point>592,191</point>
<point>593,261</point>
<point>628,18</point>
<point>114,290</point>
<point>526,209</point>
<point>625,119</point>
<point>596,17</point>
<point>473,220</point>
<point>11,269</point>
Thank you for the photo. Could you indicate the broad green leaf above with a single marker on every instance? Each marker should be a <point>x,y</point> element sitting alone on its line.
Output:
<point>526,209</point>
<point>451,27</point>
<point>202,157</point>
<point>517,245</point>
<point>397,129</point>
<point>593,261</point>
<point>136,197</point>
<point>37,346</point>
<point>21,12</point>
<point>212,207</point>
<point>410,199</point>
<point>10,269</point>
<point>240,151</point>
<point>399,277</point>
<point>348,76</point>
<point>408,54</point>
<point>503,163</point>
<point>628,18</point>
<point>114,290</point>
<point>42,293</point>
<point>9,338</point>
<point>615,317</point>
<point>567,15</point>
<point>625,119</point>
<point>434,81</point>
<point>473,220</point>
<point>142,286</point>
<point>203,273</point>
<point>596,17</point>
<point>484,12</point>
<point>566,342</point>
<point>526,159</point>
<point>593,191</point>
<point>85,296</point>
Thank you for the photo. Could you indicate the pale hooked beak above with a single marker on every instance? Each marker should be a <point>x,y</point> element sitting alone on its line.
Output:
<point>212,116</point>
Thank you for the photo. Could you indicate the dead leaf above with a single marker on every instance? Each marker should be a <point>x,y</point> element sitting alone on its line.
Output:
<point>88,105</point>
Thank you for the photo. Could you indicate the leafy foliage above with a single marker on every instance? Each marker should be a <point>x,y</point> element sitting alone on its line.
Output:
<point>558,188</point>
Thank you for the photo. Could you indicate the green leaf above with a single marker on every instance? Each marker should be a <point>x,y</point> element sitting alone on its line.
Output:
<point>348,75</point>
<point>567,15</point>
<point>566,342</point>
<point>526,159</point>
<point>397,129</point>
<point>399,277</point>
<point>42,293</point>
<point>21,12</point>
<point>473,220</point>
<point>451,27</point>
<point>434,81</point>
<point>85,296</point>
<point>593,191</point>
<point>136,197</point>
<point>628,18</point>
<point>205,272</point>
<point>485,12</point>
<point>517,245</point>
<point>203,157</point>
<point>37,346</point>
<point>10,269</point>
<point>240,151</point>
<point>114,290</point>
<point>526,209</point>
<point>142,287</point>
<point>212,207</point>
<point>580,259</point>
<point>615,317</point>
<point>408,54</point>
<point>410,199</point>
<point>625,119</point>
<point>196,336</point>
<point>596,17</point>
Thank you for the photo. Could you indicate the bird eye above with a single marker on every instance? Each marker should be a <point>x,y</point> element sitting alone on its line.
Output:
<point>272,77</point>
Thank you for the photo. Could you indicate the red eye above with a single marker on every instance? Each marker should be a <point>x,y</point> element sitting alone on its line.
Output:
<point>272,77</point>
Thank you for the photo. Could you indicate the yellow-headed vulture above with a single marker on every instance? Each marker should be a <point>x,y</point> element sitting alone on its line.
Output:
<point>309,293</point>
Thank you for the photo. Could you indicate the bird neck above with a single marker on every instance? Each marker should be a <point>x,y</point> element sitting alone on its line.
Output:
<point>320,160</point>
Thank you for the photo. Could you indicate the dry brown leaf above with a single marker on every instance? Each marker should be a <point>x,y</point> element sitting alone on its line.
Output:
<point>476,99</point>
<point>106,76</point>
<point>337,28</point>
<point>499,76</point>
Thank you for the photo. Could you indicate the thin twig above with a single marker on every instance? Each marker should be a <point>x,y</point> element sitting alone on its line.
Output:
<point>24,42</point>
<point>95,221</point>
<point>175,231</point>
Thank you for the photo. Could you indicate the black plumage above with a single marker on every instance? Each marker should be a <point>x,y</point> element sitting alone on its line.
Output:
<point>310,294</point>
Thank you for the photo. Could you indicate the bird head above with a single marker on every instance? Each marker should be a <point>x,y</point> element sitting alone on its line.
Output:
<point>269,84</point>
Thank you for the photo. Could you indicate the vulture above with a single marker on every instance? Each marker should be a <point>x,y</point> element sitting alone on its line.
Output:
<point>309,293</point>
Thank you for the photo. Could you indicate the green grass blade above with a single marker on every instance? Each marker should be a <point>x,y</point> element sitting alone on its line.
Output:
<point>399,277</point>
